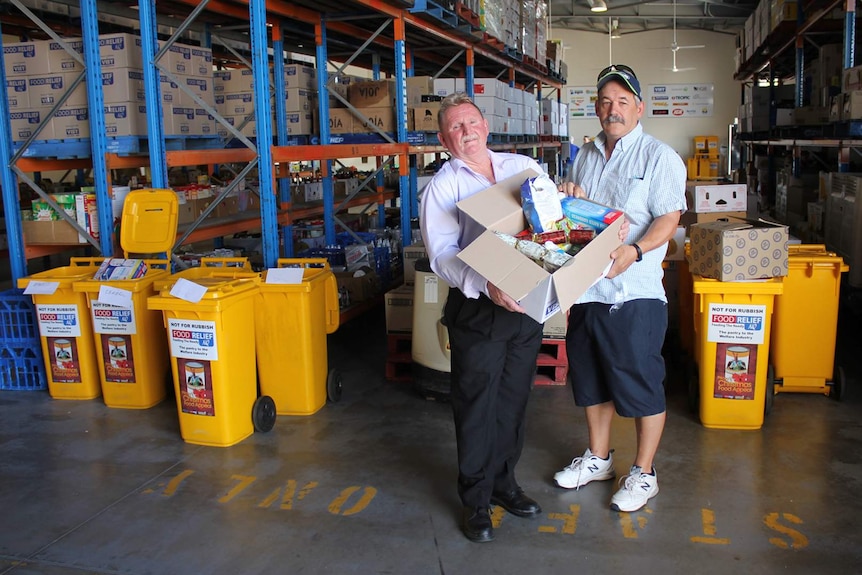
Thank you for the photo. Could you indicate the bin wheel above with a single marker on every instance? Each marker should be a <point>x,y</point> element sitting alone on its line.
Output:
<point>839,385</point>
<point>770,390</point>
<point>692,379</point>
<point>333,386</point>
<point>263,413</point>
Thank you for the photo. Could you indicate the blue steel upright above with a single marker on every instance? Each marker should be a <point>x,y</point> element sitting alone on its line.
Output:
<point>9,184</point>
<point>260,67</point>
<point>153,94</point>
<point>98,138</point>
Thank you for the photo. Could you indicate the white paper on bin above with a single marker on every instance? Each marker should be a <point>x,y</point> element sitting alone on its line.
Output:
<point>284,275</point>
<point>188,290</point>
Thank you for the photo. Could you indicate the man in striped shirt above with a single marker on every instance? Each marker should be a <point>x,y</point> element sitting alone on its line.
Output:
<point>617,328</point>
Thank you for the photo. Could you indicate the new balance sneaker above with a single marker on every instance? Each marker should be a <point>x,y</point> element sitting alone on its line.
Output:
<point>637,488</point>
<point>584,469</point>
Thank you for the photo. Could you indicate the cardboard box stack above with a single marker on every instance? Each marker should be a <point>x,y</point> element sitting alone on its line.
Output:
<point>39,72</point>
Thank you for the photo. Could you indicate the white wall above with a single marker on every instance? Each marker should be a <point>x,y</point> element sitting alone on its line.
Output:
<point>648,53</point>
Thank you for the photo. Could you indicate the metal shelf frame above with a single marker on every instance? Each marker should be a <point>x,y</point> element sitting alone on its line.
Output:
<point>334,22</point>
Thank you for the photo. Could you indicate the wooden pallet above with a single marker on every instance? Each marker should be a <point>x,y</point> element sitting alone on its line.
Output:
<point>552,365</point>
<point>399,360</point>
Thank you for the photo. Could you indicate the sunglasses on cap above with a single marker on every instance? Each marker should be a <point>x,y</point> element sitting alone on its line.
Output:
<point>615,68</point>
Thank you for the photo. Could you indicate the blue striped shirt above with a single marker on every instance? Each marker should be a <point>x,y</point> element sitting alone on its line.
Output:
<point>645,178</point>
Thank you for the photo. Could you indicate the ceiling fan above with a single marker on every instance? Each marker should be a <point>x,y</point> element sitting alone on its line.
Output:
<point>675,47</point>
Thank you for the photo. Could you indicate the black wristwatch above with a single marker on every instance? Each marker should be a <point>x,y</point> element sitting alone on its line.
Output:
<point>638,250</point>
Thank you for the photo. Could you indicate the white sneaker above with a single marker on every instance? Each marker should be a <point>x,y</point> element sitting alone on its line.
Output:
<point>637,488</point>
<point>584,469</point>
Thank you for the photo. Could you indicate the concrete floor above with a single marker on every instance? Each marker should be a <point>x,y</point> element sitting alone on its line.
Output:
<point>367,485</point>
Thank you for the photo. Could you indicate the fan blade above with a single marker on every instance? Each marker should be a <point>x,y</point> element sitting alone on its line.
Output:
<point>690,47</point>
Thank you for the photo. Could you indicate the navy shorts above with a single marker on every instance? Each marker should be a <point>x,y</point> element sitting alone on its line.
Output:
<point>616,356</point>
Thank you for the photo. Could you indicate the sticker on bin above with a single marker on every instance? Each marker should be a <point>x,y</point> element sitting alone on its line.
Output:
<point>113,319</point>
<point>193,339</point>
<point>188,290</point>
<point>58,320</point>
<point>284,275</point>
<point>35,287</point>
<point>736,323</point>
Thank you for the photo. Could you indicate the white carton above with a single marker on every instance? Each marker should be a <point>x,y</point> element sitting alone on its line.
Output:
<point>709,197</point>
<point>539,292</point>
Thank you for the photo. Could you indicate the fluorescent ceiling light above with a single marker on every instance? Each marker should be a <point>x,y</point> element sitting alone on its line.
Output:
<point>597,5</point>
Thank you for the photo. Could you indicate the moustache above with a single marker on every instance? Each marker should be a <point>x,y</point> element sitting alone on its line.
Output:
<point>470,138</point>
<point>613,119</point>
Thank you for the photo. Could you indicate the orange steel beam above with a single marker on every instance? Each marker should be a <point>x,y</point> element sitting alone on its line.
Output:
<point>334,151</point>
<point>202,157</point>
<point>36,165</point>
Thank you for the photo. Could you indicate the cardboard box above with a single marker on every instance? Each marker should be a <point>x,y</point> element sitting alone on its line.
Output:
<point>542,294</point>
<point>372,94</point>
<point>425,117</point>
<point>340,121</point>
<point>383,119</point>
<point>676,246</point>
<point>739,251</point>
<point>362,284</point>
<point>688,219</point>
<point>55,232</point>
<point>418,86</point>
<point>555,327</point>
<point>399,309</point>
<point>706,197</point>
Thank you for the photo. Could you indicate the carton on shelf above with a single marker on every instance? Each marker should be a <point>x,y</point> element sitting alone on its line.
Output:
<point>739,251</point>
<point>542,294</point>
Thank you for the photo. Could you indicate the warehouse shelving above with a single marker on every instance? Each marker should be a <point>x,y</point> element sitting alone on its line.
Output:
<point>417,45</point>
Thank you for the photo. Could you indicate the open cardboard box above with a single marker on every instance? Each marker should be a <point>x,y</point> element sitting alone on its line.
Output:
<point>539,292</point>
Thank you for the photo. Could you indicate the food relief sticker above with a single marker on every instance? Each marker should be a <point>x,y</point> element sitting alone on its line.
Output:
<point>193,339</point>
<point>58,320</point>
<point>113,319</point>
<point>736,323</point>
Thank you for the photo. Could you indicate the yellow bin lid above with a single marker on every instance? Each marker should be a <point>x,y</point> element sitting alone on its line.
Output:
<point>149,221</point>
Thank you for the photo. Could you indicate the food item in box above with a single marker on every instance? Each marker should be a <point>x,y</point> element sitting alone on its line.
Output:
<point>581,212</point>
<point>540,200</point>
<point>550,259</point>
<point>120,269</point>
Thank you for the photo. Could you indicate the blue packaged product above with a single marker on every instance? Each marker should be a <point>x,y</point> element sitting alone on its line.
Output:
<point>581,211</point>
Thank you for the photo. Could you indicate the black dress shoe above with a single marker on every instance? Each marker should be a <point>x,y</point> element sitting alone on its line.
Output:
<point>516,502</point>
<point>477,525</point>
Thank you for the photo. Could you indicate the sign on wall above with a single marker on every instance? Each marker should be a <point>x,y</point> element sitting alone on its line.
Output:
<point>582,101</point>
<point>679,100</point>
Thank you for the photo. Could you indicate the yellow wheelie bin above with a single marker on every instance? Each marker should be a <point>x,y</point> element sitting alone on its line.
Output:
<point>293,317</point>
<point>805,323</point>
<point>131,347</point>
<point>208,314</point>
<point>66,329</point>
<point>732,331</point>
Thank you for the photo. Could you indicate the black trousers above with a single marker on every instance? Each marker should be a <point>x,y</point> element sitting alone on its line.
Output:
<point>493,365</point>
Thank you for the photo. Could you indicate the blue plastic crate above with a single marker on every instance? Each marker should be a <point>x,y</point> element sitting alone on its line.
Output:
<point>18,324</point>
<point>22,368</point>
